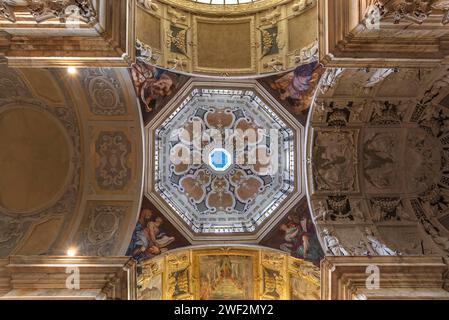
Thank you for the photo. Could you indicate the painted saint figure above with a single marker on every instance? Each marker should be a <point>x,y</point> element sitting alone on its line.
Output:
<point>300,243</point>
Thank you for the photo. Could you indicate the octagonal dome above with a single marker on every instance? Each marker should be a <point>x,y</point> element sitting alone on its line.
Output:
<point>224,162</point>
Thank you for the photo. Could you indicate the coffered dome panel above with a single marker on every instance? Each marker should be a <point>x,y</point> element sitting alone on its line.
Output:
<point>224,161</point>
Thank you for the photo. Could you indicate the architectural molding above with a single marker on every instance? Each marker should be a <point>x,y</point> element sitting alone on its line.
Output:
<point>347,39</point>
<point>75,33</point>
<point>45,278</point>
<point>409,278</point>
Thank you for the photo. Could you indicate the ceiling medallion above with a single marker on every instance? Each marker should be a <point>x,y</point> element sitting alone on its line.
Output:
<point>225,161</point>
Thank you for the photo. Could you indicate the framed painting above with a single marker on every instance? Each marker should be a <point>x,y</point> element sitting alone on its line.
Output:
<point>226,275</point>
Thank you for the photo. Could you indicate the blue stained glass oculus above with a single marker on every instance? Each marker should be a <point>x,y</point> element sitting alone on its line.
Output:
<point>219,159</point>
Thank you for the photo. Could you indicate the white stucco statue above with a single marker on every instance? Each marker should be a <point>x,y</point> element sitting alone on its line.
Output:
<point>378,247</point>
<point>333,245</point>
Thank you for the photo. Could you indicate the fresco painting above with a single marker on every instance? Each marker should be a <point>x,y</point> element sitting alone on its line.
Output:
<point>226,277</point>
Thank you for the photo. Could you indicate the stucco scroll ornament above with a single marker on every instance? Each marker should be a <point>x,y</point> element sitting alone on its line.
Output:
<point>322,213</point>
<point>268,41</point>
<point>274,64</point>
<point>442,5</point>
<point>176,16</point>
<point>6,12</point>
<point>148,4</point>
<point>177,63</point>
<point>373,15</point>
<point>10,232</point>
<point>302,5</point>
<point>271,18</point>
<point>378,246</point>
<point>333,245</point>
<point>102,229</point>
<point>105,92</point>
<point>114,149</point>
<point>413,10</point>
<point>43,10</point>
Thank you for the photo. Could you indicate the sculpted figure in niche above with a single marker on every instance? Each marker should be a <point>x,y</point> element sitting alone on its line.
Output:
<point>402,214</point>
<point>333,245</point>
<point>356,211</point>
<point>356,111</point>
<point>378,247</point>
<point>378,215</point>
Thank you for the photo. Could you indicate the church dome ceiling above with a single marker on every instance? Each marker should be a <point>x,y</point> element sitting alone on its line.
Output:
<point>71,146</point>
<point>224,159</point>
<point>378,161</point>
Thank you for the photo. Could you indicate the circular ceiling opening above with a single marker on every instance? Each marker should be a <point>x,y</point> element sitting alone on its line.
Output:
<point>34,159</point>
<point>220,159</point>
